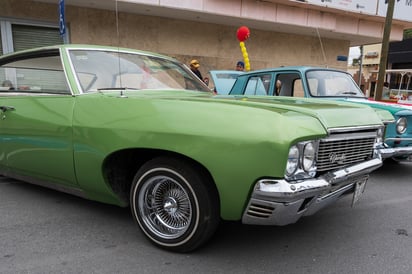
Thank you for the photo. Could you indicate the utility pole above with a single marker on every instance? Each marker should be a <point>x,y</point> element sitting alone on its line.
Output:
<point>385,49</point>
<point>360,66</point>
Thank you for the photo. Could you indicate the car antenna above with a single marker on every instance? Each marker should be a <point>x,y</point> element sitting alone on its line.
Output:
<point>118,50</point>
<point>321,46</point>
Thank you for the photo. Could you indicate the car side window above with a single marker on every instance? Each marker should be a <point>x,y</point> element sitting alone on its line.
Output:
<point>289,84</point>
<point>298,90</point>
<point>34,75</point>
<point>258,85</point>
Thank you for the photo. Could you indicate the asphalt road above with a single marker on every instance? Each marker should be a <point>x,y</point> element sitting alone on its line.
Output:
<point>44,231</point>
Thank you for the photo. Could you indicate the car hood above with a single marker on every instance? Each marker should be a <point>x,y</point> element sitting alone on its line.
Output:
<point>331,114</point>
<point>391,107</point>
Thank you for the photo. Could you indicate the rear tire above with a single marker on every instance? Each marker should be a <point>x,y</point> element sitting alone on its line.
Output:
<point>175,204</point>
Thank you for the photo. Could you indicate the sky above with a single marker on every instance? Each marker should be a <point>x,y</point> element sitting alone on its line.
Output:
<point>354,52</point>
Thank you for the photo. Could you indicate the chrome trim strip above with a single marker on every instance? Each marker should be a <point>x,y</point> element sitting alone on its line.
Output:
<point>349,136</point>
<point>353,129</point>
<point>398,139</point>
<point>61,188</point>
<point>282,190</point>
<point>389,152</point>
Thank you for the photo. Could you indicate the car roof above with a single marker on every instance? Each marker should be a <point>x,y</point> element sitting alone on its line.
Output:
<point>298,68</point>
<point>55,48</point>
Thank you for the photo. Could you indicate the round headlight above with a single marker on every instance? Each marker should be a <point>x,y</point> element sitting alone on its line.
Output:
<point>293,160</point>
<point>308,156</point>
<point>401,125</point>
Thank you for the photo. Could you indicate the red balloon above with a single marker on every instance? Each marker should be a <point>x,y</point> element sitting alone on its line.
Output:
<point>243,33</point>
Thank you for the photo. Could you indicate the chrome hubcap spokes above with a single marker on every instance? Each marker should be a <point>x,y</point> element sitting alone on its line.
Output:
<point>165,207</point>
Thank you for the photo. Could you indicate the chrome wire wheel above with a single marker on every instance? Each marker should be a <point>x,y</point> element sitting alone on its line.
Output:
<point>165,207</point>
<point>175,203</point>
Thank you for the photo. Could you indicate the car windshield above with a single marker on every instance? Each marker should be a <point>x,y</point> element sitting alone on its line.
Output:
<point>98,70</point>
<point>327,83</point>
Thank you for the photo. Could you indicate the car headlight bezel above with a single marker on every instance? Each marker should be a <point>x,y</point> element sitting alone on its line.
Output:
<point>292,161</point>
<point>380,133</point>
<point>301,162</point>
<point>308,156</point>
<point>401,125</point>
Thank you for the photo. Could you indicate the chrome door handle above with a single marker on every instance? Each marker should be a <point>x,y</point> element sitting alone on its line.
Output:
<point>6,108</point>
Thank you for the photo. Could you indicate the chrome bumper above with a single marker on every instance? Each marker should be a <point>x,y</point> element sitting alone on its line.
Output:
<point>279,202</point>
<point>396,152</point>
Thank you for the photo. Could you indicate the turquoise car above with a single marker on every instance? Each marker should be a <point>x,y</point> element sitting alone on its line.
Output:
<point>324,83</point>
<point>223,80</point>
<point>140,130</point>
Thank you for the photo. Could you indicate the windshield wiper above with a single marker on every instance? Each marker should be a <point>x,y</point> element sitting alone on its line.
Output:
<point>99,89</point>
<point>350,92</point>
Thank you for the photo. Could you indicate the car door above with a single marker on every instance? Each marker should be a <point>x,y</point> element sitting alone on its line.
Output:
<point>36,121</point>
<point>3,165</point>
<point>258,84</point>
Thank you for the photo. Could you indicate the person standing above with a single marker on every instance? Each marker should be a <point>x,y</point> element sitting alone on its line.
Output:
<point>194,66</point>
<point>240,66</point>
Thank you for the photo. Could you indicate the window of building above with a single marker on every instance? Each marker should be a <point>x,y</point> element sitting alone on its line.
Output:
<point>20,35</point>
<point>26,37</point>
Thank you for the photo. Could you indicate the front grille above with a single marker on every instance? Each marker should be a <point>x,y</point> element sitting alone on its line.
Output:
<point>346,148</point>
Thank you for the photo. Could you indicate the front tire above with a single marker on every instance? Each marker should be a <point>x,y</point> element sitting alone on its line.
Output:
<point>175,204</point>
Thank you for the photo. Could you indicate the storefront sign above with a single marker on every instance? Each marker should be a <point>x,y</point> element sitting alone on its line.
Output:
<point>62,21</point>
<point>361,6</point>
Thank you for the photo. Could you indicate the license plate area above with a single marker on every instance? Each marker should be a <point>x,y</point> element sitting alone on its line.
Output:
<point>359,186</point>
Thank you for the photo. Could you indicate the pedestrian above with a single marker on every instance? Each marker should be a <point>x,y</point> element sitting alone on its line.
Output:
<point>386,91</point>
<point>206,80</point>
<point>240,66</point>
<point>194,66</point>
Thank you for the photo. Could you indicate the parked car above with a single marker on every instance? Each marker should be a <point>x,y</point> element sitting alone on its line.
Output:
<point>223,80</point>
<point>138,129</point>
<point>325,83</point>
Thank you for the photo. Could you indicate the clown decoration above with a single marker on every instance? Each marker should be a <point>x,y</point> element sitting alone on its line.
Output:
<point>242,35</point>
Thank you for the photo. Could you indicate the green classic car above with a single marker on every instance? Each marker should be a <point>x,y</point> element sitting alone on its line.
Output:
<point>133,128</point>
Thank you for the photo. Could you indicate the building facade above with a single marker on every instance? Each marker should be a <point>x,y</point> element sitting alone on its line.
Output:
<point>398,71</point>
<point>366,73</point>
<point>282,32</point>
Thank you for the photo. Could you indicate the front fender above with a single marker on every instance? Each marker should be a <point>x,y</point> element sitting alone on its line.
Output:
<point>236,144</point>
